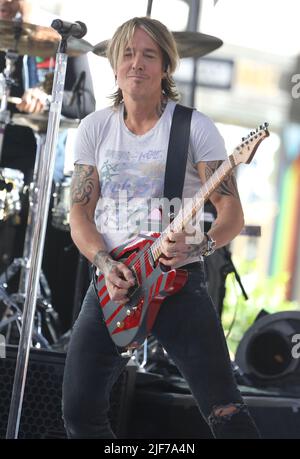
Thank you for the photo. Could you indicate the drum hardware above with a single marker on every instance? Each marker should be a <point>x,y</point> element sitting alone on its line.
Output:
<point>43,184</point>
<point>11,187</point>
<point>38,123</point>
<point>37,41</point>
<point>6,82</point>
<point>11,317</point>
<point>13,100</point>
<point>22,265</point>
<point>11,181</point>
<point>10,205</point>
<point>189,44</point>
<point>61,205</point>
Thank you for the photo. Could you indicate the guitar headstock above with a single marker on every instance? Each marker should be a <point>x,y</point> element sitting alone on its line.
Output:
<point>244,152</point>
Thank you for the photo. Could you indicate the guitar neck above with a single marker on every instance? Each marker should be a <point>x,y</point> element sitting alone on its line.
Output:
<point>187,212</point>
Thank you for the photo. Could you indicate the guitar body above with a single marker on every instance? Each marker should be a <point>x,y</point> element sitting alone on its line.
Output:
<point>129,324</point>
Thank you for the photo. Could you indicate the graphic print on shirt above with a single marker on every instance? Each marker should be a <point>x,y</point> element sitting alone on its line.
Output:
<point>127,189</point>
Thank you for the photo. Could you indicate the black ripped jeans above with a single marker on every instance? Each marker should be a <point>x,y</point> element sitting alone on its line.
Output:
<point>189,329</point>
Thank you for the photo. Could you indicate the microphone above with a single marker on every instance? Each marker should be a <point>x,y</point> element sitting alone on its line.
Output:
<point>77,85</point>
<point>77,29</point>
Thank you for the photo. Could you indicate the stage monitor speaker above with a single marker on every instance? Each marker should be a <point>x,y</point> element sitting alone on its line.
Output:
<point>41,414</point>
<point>158,414</point>
<point>265,354</point>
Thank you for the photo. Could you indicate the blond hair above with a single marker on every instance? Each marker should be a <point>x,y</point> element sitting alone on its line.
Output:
<point>161,35</point>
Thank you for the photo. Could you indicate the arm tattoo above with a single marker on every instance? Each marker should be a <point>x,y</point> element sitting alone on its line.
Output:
<point>228,187</point>
<point>82,185</point>
<point>101,259</point>
<point>195,250</point>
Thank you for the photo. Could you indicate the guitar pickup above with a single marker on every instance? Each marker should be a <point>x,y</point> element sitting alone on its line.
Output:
<point>132,290</point>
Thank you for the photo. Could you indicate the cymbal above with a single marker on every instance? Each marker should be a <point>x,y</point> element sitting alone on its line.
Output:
<point>196,44</point>
<point>38,122</point>
<point>189,44</point>
<point>38,41</point>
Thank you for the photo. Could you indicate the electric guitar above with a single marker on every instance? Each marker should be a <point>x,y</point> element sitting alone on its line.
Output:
<point>129,324</point>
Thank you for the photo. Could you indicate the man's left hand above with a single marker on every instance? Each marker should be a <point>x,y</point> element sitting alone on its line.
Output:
<point>176,250</point>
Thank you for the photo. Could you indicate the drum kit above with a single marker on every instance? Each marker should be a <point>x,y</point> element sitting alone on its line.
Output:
<point>32,40</point>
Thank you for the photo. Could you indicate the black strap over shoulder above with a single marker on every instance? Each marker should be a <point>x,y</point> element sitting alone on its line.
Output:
<point>177,152</point>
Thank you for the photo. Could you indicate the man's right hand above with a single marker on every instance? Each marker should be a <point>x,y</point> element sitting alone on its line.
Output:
<point>34,100</point>
<point>118,279</point>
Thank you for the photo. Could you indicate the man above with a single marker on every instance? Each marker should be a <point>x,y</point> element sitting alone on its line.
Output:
<point>33,86</point>
<point>123,149</point>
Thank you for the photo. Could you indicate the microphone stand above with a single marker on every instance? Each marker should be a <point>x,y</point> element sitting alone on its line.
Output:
<point>232,269</point>
<point>35,259</point>
<point>228,268</point>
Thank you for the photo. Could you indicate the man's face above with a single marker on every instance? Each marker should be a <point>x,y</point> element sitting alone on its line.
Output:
<point>9,8</point>
<point>140,69</point>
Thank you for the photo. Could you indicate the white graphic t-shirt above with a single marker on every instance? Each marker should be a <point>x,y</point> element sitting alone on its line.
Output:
<point>131,168</point>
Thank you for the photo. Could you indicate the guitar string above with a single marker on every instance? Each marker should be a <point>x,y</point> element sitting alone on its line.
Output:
<point>145,256</point>
<point>230,165</point>
<point>227,166</point>
<point>215,178</point>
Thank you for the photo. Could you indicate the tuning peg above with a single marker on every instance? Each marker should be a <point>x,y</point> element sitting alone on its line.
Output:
<point>243,139</point>
<point>266,124</point>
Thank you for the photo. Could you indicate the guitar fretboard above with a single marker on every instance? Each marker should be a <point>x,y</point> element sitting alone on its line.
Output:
<point>187,212</point>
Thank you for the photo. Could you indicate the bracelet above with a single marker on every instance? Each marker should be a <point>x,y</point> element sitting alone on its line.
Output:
<point>210,245</point>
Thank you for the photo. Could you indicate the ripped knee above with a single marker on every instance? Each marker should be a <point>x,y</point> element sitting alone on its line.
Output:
<point>224,413</point>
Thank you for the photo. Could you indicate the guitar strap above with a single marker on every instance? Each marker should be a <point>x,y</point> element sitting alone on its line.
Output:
<point>177,155</point>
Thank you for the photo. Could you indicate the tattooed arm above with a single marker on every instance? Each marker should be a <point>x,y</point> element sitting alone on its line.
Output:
<point>85,193</point>
<point>225,198</point>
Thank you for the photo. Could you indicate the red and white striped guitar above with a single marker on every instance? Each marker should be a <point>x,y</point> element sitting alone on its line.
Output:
<point>129,324</point>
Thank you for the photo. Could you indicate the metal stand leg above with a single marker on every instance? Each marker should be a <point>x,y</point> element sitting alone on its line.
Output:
<point>23,264</point>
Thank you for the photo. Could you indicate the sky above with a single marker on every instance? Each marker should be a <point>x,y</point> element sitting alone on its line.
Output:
<point>270,25</point>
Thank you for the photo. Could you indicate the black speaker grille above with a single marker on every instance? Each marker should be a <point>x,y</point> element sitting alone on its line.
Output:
<point>41,413</point>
